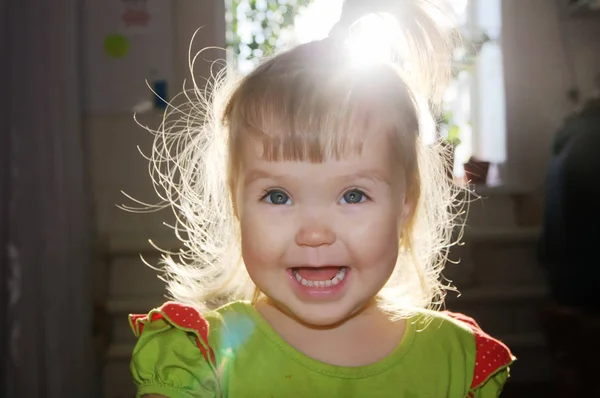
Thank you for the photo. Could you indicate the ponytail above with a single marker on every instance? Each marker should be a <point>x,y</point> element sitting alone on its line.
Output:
<point>426,30</point>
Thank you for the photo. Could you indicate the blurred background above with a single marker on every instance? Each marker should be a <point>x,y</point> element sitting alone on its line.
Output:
<point>522,105</point>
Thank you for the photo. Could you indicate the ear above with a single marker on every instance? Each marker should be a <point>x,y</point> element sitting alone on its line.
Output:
<point>411,198</point>
<point>408,208</point>
<point>234,208</point>
<point>408,211</point>
<point>235,204</point>
<point>234,195</point>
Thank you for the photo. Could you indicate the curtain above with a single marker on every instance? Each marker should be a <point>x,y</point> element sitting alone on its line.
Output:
<point>45,309</point>
<point>489,102</point>
<point>4,211</point>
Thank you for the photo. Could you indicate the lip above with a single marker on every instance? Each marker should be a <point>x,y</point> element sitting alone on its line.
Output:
<point>319,293</point>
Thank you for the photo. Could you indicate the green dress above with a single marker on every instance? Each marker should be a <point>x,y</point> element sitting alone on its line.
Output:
<point>233,352</point>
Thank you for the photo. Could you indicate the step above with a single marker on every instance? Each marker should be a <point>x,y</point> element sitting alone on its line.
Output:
<point>499,206</point>
<point>130,276</point>
<point>118,382</point>
<point>510,294</point>
<point>120,352</point>
<point>120,308</point>
<point>534,363</point>
<point>509,310</point>
<point>527,389</point>
<point>502,235</point>
<point>513,315</point>
<point>504,256</point>
<point>125,243</point>
<point>495,256</point>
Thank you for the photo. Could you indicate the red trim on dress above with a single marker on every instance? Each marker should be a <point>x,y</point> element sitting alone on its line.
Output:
<point>492,355</point>
<point>183,317</point>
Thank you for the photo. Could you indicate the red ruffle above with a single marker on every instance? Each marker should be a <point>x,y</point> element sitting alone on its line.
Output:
<point>492,355</point>
<point>184,317</point>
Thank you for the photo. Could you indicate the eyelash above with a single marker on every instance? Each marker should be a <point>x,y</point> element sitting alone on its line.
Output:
<point>362,192</point>
<point>267,192</point>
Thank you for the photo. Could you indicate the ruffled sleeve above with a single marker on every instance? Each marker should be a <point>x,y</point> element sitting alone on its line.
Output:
<point>172,357</point>
<point>492,361</point>
<point>492,387</point>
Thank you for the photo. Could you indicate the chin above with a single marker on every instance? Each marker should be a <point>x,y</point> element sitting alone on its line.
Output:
<point>322,314</point>
<point>322,320</point>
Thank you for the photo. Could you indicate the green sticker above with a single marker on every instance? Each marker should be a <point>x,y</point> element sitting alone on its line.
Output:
<point>116,46</point>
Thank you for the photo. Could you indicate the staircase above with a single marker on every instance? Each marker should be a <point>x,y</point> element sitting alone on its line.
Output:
<point>500,283</point>
<point>133,287</point>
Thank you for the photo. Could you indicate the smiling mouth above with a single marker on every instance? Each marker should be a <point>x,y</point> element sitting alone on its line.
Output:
<point>319,277</point>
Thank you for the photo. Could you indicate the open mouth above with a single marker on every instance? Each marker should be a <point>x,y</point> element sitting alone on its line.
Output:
<point>319,277</point>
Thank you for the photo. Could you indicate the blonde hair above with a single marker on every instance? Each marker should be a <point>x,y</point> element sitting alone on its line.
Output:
<point>308,103</point>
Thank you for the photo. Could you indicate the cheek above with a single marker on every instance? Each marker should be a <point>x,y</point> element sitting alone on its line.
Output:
<point>375,241</point>
<point>261,244</point>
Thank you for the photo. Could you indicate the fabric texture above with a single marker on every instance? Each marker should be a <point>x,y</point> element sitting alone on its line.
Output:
<point>233,352</point>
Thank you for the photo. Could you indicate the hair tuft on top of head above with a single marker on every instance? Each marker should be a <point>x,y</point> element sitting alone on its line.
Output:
<point>428,33</point>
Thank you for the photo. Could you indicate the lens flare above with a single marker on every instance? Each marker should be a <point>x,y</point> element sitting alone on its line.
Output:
<point>375,38</point>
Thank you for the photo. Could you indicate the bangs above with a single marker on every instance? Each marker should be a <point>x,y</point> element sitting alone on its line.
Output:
<point>312,115</point>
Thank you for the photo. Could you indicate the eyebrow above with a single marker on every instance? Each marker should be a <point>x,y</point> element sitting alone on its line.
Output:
<point>258,174</point>
<point>371,175</point>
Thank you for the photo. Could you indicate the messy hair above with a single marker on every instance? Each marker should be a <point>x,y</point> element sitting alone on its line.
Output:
<point>309,103</point>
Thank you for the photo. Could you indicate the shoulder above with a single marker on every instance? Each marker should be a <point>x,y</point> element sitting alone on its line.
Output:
<point>173,355</point>
<point>185,318</point>
<point>492,358</point>
<point>487,359</point>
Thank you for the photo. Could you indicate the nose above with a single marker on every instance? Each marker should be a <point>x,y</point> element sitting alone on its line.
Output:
<point>315,233</point>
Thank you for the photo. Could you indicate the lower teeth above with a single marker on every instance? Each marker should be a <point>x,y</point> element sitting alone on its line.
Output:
<point>341,274</point>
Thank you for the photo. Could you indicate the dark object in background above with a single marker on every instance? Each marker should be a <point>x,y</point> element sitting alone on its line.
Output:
<point>568,252</point>
<point>571,229</point>
<point>476,170</point>
<point>572,337</point>
<point>161,96</point>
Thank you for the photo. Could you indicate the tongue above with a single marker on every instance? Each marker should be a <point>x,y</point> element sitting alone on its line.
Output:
<point>318,274</point>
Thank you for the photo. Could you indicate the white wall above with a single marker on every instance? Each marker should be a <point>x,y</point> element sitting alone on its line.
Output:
<point>115,162</point>
<point>537,78</point>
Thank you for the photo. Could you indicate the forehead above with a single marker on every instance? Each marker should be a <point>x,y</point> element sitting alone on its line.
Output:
<point>374,156</point>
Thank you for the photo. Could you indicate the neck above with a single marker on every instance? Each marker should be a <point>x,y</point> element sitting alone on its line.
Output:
<point>366,337</point>
<point>273,309</point>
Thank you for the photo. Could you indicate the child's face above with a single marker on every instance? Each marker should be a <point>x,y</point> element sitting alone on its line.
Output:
<point>321,239</point>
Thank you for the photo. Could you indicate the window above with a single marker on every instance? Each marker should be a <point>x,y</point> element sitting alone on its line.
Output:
<point>256,28</point>
<point>475,102</point>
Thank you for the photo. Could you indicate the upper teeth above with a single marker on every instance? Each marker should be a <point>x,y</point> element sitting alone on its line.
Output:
<point>330,282</point>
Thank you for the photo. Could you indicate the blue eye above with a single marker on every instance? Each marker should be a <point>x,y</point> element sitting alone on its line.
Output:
<point>277,197</point>
<point>354,196</point>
